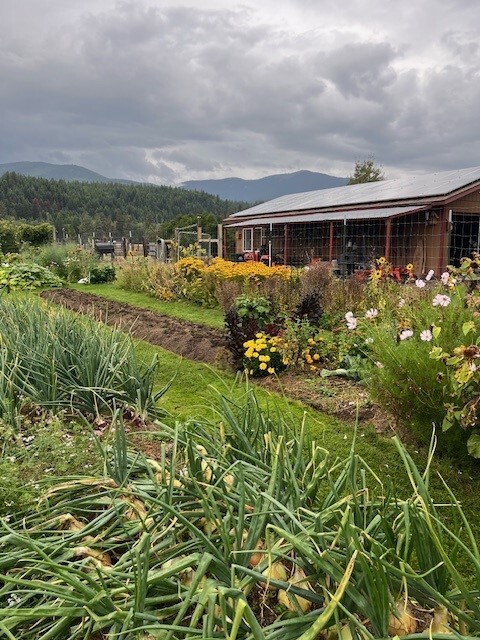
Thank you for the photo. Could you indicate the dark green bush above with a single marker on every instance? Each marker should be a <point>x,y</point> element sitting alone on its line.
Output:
<point>102,274</point>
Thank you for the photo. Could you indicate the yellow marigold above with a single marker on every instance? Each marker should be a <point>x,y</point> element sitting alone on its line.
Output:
<point>273,349</point>
<point>313,368</point>
<point>262,366</point>
<point>271,370</point>
<point>249,353</point>
<point>311,342</point>
<point>316,356</point>
<point>255,354</point>
<point>259,335</point>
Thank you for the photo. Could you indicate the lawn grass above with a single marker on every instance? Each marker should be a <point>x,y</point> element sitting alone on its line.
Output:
<point>183,310</point>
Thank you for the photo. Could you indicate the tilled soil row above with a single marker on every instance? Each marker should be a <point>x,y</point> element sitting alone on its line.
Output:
<point>188,339</point>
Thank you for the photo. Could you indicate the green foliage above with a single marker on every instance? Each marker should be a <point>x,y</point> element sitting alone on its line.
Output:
<point>184,546</point>
<point>83,208</point>
<point>257,309</point>
<point>409,342</point>
<point>36,235</point>
<point>102,273</point>
<point>22,277</point>
<point>14,235</point>
<point>68,261</point>
<point>366,171</point>
<point>52,359</point>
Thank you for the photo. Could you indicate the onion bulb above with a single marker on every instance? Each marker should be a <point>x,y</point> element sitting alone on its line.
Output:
<point>402,622</point>
<point>275,571</point>
<point>299,579</point>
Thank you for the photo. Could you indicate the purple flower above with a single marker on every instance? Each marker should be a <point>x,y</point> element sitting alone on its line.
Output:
<point>444,277</point>
<point>405,334</point>
<point>441,300</point>
<point>426,335</point>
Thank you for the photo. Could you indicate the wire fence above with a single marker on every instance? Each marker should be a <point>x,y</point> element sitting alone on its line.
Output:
<point>426,239</point>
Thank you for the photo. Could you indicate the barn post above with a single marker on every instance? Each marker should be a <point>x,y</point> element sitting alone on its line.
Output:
<point>446,225</point>
<point>330,242</point>
<point>285,244</point>
<point>270,246</point>
<point>388,238</point>
<point>220,241</point>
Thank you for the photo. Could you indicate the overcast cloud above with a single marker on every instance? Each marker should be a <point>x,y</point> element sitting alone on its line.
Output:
<point>167,91</point>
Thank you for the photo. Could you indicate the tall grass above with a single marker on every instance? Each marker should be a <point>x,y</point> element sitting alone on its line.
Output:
<point>52,359</point>
<point>192,544</point>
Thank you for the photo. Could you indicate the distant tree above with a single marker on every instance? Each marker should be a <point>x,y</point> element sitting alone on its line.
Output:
<point>366,171</point>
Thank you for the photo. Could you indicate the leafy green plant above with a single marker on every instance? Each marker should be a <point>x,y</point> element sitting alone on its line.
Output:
<point>22,276</point>
<point>258,309</point>
<point>102,273</point>
<point>68,261</point>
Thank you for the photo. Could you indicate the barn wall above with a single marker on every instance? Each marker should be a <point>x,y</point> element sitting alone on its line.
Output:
<point>467,204</point>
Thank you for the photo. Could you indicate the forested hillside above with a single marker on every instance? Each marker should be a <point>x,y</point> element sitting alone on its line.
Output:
<point>83,208</point>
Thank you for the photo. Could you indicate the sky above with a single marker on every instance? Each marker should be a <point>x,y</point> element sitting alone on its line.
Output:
<point>166,91</point>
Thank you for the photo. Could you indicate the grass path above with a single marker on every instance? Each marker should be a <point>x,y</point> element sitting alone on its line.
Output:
<point>183,310</point>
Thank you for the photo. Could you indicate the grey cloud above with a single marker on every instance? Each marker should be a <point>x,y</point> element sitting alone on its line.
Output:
<point>178,93</point>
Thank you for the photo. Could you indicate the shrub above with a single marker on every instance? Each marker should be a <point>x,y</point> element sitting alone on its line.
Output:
<point>402,339</point>
<point>102,273</point>
<point>68,261</point>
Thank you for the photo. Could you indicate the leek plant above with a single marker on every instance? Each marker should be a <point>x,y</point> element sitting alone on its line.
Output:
<point>241,528</point>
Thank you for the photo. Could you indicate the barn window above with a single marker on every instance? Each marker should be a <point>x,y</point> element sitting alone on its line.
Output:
<point>248,239</point>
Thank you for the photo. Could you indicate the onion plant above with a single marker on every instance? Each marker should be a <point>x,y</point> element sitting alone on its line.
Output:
<point>241,528</point>
<point>52,359</point>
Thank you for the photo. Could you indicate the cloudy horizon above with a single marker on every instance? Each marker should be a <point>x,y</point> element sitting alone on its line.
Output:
<point>169,91</point>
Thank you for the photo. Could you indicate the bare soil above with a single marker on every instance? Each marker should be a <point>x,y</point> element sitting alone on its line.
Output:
<point>188,339</point>
<point>335,396</point>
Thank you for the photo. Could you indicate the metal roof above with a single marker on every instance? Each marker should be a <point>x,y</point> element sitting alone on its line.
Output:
<point>430,185</point>
<point>327,216</point>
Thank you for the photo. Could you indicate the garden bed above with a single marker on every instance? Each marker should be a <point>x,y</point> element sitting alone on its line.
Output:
<point>335,396</point>
<point>188,339</point>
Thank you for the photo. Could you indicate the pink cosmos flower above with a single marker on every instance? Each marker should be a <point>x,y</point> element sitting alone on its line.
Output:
<point>444,277</point>
<point>371,313</point>
<point>441,300</point>
<point>426,335</point>
<point>420,283</point>
<point>405,334</point>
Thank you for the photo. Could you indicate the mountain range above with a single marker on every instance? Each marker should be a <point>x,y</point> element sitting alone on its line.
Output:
<point>237,189</point>
<point>266,188</point>
<point>69,172</point>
